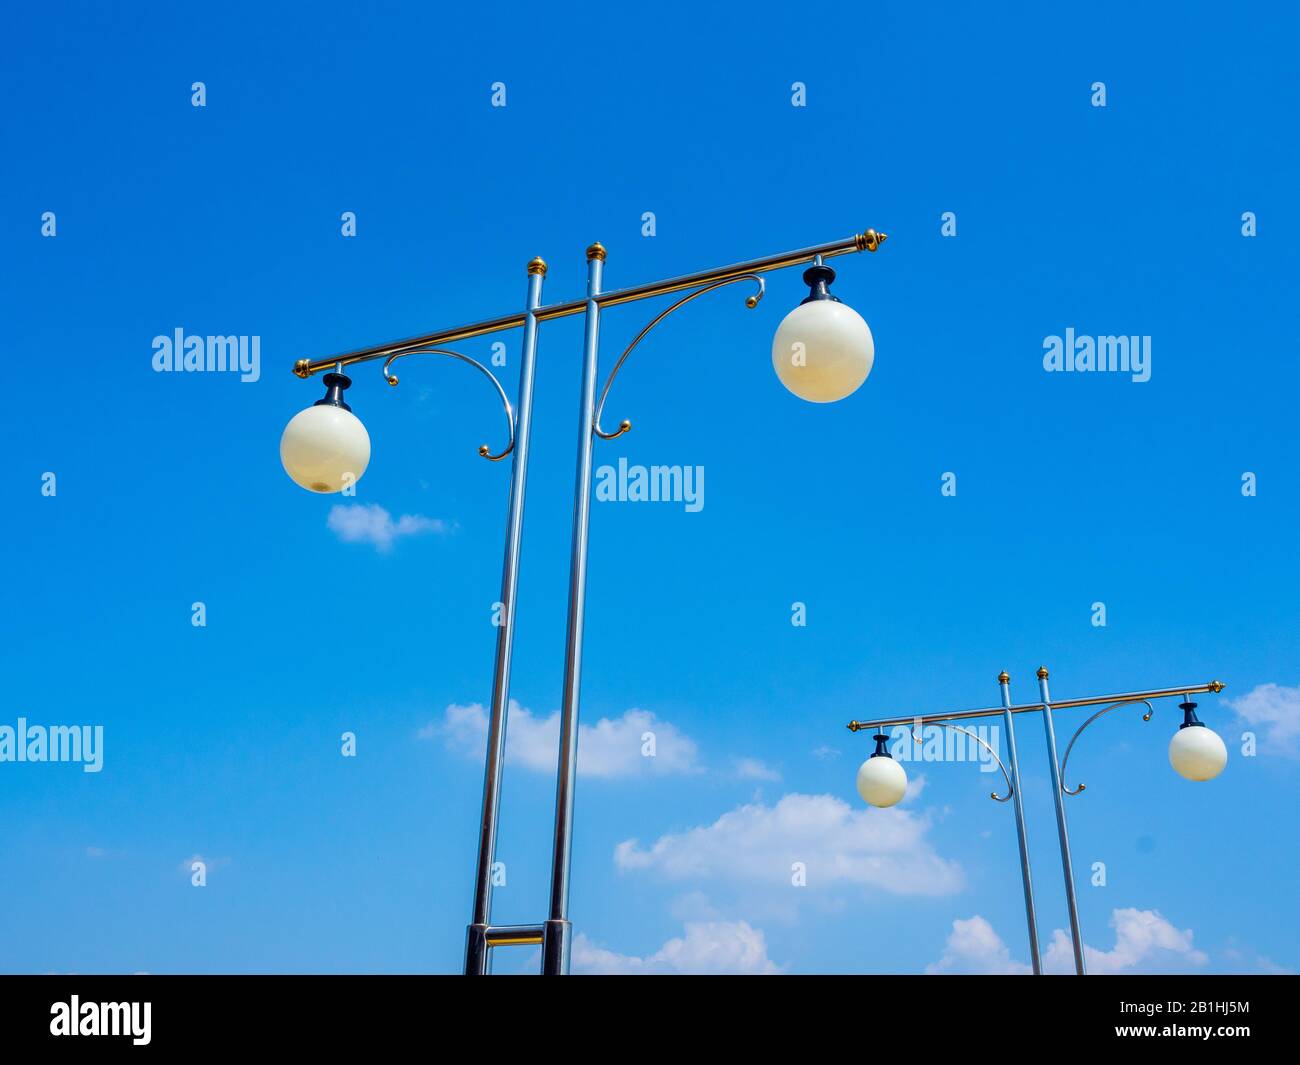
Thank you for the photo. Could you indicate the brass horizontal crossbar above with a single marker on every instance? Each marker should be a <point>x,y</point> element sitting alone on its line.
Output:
<point>520,935</point>
<point>867,241</point>
<point>1214,686</point>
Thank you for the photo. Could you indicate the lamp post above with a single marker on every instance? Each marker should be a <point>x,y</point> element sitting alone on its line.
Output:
<point>822,352</point>
<point>1195,752</point>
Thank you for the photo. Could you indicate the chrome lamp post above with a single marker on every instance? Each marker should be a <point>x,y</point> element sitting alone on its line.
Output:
<point>1195,752</point>
<point>822,352</point>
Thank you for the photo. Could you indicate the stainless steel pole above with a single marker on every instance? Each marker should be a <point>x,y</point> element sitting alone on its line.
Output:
<point>477,949</point>
<point>557,931</point>
<point>1004,682</point>
<point>1059,796</point>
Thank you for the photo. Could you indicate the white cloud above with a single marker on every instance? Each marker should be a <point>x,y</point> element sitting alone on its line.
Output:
<point>973,947</point>
<point>612,747</point>
<point>726,947</point>
<point>209,864</point>
<point>753,769</point>
<point>369,523</point>
<point>758,844</point>
<point>1275,710</point>
<point>1144,941</point>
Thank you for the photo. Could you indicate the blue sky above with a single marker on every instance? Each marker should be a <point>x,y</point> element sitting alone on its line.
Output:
<point>222,742</point>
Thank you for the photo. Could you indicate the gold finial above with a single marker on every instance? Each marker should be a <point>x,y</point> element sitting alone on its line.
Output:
<point>300,368</point>
<point>596,251</point>
<point>537,265</point>
<point>1217,686</point>
<point>1042,672</point>
<point>1004,677</point>
<point>854,726</point>
<point>871,240</point>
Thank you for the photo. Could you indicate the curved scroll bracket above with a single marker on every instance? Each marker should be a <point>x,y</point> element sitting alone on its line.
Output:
<point>483,450</point>
<point>750,302</point>
<point>916,738</point>
<point>1105,710</point>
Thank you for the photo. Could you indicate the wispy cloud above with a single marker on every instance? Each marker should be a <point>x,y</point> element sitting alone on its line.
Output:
<point>369,523</point>
<point>209,864</point>
<point>1239,958</point>
<point>636,743</point>
<point>836,844</point>
<point>727,947</point>
<point>1273,709</point>
<point>753,769</point>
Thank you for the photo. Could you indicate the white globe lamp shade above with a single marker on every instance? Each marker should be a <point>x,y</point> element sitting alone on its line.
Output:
<point>325,448</point>
<point>1197,753</point>
<point>823,350</point>
<point>882,782</point>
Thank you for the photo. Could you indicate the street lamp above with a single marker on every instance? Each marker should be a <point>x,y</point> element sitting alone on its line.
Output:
<point>325,448</point>
<point>882,782</point>
<point>1196,753</point>
<point>822,352</point>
